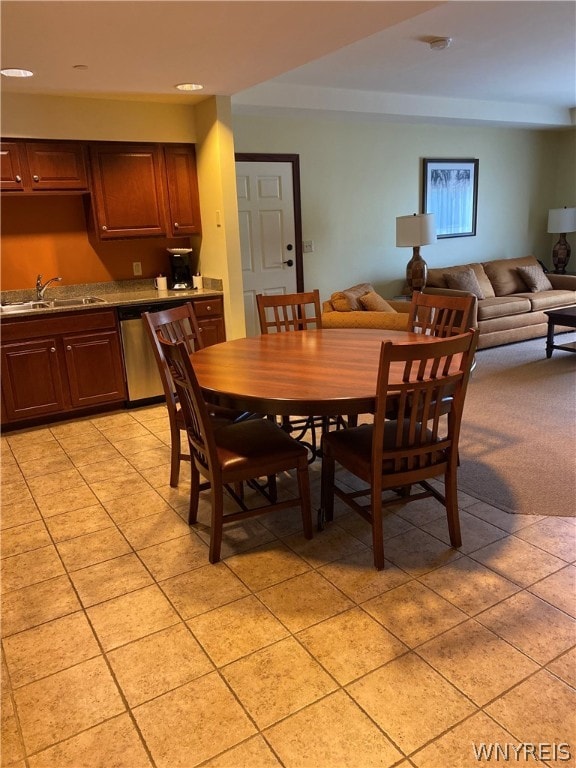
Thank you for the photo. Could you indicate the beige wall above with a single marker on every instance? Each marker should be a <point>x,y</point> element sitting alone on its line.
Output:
<point>61,117</point>
<point>358,174</point>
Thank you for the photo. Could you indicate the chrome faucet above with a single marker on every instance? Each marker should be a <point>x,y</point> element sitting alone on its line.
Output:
<point>41,287</point>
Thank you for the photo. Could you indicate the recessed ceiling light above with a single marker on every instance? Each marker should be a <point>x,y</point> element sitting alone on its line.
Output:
<point>440,43</point>
<point>12,72</point>
<point>189,87</point>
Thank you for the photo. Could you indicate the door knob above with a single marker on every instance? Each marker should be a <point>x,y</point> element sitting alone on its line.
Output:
<point>288,263</point>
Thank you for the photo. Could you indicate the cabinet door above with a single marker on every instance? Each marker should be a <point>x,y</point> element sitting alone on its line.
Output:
<point>94,365</point>
<point>11,175</point>
<point>183,197</point>
<point>127,192</point>
<point>56,165</point>
<point>31,379</point>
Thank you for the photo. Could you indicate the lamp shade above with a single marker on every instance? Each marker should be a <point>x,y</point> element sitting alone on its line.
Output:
<point>418,229</point>
<point>562,220</point>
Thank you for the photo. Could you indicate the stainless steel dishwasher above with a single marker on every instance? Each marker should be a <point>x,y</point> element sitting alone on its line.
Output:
<point>142,378</point>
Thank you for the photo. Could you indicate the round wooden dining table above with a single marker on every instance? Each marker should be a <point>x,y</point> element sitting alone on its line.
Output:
<point>323,372</point>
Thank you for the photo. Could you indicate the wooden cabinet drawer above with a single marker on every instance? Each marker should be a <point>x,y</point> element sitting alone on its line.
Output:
<point>208,307</point>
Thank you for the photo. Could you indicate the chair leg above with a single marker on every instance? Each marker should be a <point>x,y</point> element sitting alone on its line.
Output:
<point>216,524</point>
<point>377,530</point>
<point>194,494</point>
<point>327,487</point>
<point>175,450</point>
<point>451,496</point>
<point>304,490</point>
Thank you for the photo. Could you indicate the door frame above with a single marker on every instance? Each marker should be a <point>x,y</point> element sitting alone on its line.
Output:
<point>294,160</point>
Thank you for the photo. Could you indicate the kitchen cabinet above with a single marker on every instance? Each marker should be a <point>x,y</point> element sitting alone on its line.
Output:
<point>43,166</point>
<point>182,184</point>
<point>60,364</point>
<point>144,190</point>
<point>210,315</point>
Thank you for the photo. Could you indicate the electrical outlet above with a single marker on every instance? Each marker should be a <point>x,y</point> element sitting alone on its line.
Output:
<point>137,268</point>
<point>307,246</point>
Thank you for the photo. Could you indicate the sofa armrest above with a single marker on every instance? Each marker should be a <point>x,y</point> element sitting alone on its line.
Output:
<point>562,282</point>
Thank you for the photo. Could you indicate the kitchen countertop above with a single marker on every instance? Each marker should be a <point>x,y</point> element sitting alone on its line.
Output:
<point>118,294</point>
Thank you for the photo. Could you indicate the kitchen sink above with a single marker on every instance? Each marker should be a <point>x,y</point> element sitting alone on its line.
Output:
<point>27,306</point>
<point>79,301</point>
<point>24,306</point>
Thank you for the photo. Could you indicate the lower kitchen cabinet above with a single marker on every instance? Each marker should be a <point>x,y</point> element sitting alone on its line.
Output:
<point>60,364</point>
<point>210,315</point>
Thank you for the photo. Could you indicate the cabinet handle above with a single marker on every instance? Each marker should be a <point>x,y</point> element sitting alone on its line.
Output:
<point>176,225</point>
<point>208,308</point>
<point>104,227</point>
<point>69,348</point>
<point>36,178</point>
<point>52,349</point>
<point>18,179</point>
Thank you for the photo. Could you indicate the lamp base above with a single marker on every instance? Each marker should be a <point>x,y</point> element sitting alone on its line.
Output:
<point>416,271</point>
<point>561,255</point>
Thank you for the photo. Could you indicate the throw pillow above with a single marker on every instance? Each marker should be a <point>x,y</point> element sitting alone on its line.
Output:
<point>353,294</point>
<point>339,302</point>
<point>535,278</point>
<point>373,302</point>
<point>464,280</point>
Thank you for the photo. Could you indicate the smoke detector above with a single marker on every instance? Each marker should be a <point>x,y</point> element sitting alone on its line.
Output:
<point>440,43</point>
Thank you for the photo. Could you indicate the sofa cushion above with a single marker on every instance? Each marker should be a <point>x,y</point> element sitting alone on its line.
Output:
<point>504,275</point>
<point>535,278</point>
<point>349,300</point>
<point>503,306</point>
<point>373,302</point>
<point>464,280</point>
<point>437,277</point>
<point>550,299</point>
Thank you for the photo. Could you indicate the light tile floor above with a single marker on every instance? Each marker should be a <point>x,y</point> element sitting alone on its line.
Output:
<point>124,648</point>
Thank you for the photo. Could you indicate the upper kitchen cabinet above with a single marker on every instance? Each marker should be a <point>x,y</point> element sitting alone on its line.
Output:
<point>43,166</point>
<point>183,197</point>
<point>144,190</point>
<point>128,195</point>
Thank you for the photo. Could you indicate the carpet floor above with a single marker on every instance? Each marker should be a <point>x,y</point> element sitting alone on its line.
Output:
<point>519,430</point>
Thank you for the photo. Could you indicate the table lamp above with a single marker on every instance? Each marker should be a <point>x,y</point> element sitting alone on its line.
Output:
<point>414,231</point>
<point>561,220</point>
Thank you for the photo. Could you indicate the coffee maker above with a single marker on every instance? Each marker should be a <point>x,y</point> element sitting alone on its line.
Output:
<point>180,269</point>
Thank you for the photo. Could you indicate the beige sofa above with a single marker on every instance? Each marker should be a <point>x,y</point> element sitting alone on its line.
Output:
<point>507,308</point>
<point>513,295</point>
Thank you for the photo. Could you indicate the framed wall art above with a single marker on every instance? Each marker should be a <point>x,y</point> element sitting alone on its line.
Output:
<point>450,192</point>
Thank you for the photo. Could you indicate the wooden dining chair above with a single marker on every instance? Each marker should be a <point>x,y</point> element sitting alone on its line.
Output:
<point>440,315</point>
<point>428,382</point>
<point>179,324</point>
<point>289,311</point>
<point>294,312</point>
<point>233,453</point>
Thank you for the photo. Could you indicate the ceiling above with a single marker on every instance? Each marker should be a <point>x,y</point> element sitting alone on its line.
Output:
<point>509,63</point>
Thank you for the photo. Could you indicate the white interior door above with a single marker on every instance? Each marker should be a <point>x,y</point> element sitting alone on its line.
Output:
<point>267,232</point>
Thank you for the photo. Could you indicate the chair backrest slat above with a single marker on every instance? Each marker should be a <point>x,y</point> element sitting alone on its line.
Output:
<point>289,311</point>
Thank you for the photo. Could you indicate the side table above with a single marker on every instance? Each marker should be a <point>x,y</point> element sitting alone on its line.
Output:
<point>565,316</point>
